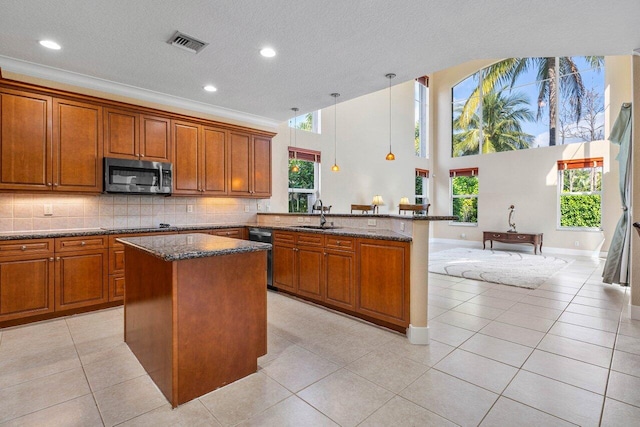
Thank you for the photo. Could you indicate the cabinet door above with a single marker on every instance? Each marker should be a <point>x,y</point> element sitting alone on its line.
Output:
<point>26,287</point>
<point>284,267</point>
<point>239,164</point>
<point>261,167</point>
<point>116,288</point>
<point>383,271</point>
<point>155,139</point>
<point>213,158</point>
<point>185,167</point>
<point>77,146</point>
<point>82,279</point>
<point>339,278</point>
<point>25,141</point>
<point>121,134</point>
<point>310,273</point>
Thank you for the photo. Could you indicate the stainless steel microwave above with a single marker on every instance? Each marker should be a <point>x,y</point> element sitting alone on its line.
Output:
<point>137,176</point>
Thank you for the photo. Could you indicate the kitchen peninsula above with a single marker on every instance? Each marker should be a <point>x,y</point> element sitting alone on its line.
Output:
<point>195,310</point>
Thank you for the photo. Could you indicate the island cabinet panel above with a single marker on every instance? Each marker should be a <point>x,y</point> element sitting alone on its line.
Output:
<point>26,278</point>
<point>339,278</point>
<point>25,141</point>
<point>383,273</point>
<point>77,146</point>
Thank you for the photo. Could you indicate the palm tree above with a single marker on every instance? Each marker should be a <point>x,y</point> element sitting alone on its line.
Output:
<point>502,116</point>
<point>508,70</point>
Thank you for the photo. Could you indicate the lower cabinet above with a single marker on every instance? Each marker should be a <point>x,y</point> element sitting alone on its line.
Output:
<point>26,284</point>
<point>82,279</point>
<point>365,277</point>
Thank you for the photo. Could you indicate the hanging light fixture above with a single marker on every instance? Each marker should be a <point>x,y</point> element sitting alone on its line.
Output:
<point>390,156</point>
<point>295,167</point>
<point>335,167</point>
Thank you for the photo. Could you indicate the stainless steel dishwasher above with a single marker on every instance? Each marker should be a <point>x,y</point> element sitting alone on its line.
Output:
<point>264,235</point>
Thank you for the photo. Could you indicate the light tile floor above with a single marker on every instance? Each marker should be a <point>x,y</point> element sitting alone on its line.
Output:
<point>563,354</point>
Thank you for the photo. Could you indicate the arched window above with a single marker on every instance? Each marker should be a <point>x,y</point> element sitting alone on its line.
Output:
<point>523,103</point>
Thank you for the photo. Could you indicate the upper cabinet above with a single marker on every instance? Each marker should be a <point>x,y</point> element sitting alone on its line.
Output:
<point>54,140</point>
<point>49,144</point>
<point>130,135</point>
<point>249,165</point>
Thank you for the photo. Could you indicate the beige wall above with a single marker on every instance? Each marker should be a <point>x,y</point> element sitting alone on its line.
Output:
<point>528,178</point>
<point>363,143</point>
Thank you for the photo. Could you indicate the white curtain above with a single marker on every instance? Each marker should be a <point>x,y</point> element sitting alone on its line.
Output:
<point>616,268</point>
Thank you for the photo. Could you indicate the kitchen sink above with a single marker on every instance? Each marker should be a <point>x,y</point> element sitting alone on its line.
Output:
<point>318,227</point>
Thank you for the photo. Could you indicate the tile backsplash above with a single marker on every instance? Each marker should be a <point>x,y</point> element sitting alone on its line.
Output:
<point>22,212</point>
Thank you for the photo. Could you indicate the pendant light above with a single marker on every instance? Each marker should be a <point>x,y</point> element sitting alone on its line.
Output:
<point>335,167</point>
<point>390,156</point>
<point>295,167</point>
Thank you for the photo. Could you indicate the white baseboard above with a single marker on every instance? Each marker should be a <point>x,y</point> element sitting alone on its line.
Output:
<point>505,246</point>
<point>633,311</point>
<point>418,334</point>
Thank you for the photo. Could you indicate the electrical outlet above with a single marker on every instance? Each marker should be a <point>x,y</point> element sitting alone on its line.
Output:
<point>246,208</point>
<point>268,207</point>
<point>48,209</point>
<point>576,243</point>
<point>300,219</point>
<point>307,219</point>
<point>189,208</point>
<point>402,226</point>
<point>371,222</point>
<point>277,219</point>
<point>259,207</point>
<point>463,236</point>
<point>189,240</point>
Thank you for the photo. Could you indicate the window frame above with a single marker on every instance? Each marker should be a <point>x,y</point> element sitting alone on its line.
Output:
<point>424,175</point>
<point>315,122</point>
<point>454,173</point>
<point>577,164</point>
<point>421,86</point>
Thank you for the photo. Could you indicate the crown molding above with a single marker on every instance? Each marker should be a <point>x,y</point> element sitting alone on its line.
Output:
<point>81,80</point>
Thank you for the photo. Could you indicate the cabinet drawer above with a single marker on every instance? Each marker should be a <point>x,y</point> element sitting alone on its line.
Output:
<point>496,236</point>
<point>80,243</point>
<point>284,237</point>
<point>524,238</point>
<point>310,239</point>
<point>339,242</point>
<point>26,247</point>
<point>235,233</point>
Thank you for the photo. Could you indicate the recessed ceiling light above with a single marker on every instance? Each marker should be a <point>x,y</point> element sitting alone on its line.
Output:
<point>210,88</point>
<point>50,44</point>
<point>268,52</point>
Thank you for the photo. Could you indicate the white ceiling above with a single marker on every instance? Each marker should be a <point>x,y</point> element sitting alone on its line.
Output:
<point>323,46</point>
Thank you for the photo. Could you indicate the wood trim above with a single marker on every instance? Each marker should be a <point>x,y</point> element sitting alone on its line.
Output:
<point>304,154</point>
<point>463,172</point>
<point>14,84</point>
<point>589,162</point>
<point>422,172</point>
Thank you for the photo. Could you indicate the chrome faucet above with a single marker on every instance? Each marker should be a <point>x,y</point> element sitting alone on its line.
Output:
<point>323,220</point>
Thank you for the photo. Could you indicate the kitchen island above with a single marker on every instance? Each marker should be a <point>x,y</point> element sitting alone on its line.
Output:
<point>195,310</point>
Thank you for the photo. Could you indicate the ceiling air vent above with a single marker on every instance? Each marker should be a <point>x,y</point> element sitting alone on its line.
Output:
<point>186,42</point>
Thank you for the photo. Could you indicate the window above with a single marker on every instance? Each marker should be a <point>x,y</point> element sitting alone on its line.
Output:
<point>304,184</point>
<point>521,103</point>
<point>464,195</point>
<point>580,193</point>
<point>309,122</point>
<point>421,96</point>
<point>422,188</point>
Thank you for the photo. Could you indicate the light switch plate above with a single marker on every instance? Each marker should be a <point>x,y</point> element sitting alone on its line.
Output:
<point>48,209</point>
<point>189,208</point>
<point>402,226</point>
<point>300,219</point>
<point>371,222</point>
<point>246,208</point>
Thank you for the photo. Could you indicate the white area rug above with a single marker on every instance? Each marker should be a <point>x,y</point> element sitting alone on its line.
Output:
<point>507,268</point>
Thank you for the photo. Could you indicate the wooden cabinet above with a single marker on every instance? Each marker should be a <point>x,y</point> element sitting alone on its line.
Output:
<point>284,261</point>
<point>130,135</point>
<point>200,155</point>
<point>81,274</point>
<point>383,274</point>
<point>249,165</point>
<point>339,271</point>
<point>310,265</point>
<point>235,233</point>
<point>25,141</point>
<point>26,278</point>
<point>49,144</point>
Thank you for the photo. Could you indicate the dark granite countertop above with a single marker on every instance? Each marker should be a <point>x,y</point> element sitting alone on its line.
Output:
<point>47,234</point>
<point>176,247</point>
<point>350,215</point>
<point>345,231</point>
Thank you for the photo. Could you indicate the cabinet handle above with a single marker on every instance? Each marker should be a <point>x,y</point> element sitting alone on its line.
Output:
<point>48,184</point>
<point>82,243</point>
<point>57,258</point>
<point>141,155</point>
<point>137,154</point>
<point>23,247</point>
<point>55,184</point>
<point>496,235</point>
<point>338,242</point>
<point>51,259</point>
